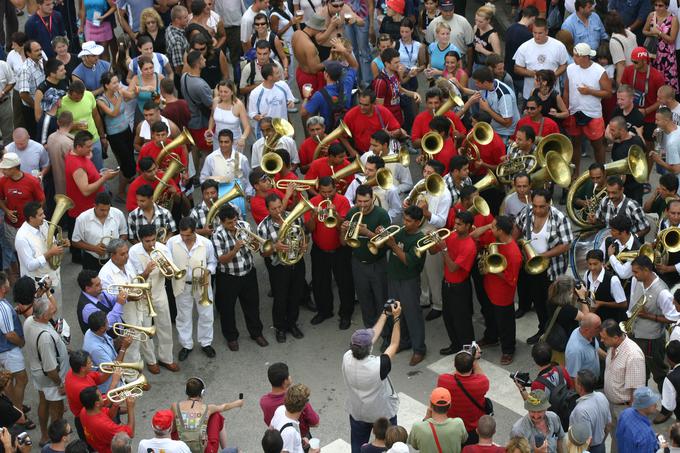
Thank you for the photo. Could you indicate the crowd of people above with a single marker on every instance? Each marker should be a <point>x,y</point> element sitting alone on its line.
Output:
<point>196,100</point>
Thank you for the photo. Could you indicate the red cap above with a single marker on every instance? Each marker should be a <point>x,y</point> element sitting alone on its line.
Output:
<point>162,420</point>
<point>639,53</point>
<point>397,6</point>
<point>440,397</point>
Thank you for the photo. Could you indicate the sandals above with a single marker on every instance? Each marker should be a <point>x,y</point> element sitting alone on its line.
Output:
<point>28,424</point>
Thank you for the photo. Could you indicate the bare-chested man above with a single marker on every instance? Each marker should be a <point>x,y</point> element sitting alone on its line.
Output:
<point>306,51</point>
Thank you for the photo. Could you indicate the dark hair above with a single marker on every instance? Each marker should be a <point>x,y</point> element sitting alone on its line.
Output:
<point>452,53</point>
<point>81,138</point>
<point>57,430</point>
<point>440,409</point>
<point>151,105</point>
<point>78,359</point>
<point>192,57</point>
<point>31,209</point>
<point>596,166</point>
<point>197,7</point>
<point>482,116</point>
<point>367,93</point>
<point>595,254</point>
<point>389,54</point>
<point>644,262</point>
<point>581,4</point>
<point>89,397</point>
<point>187,223</point>
<point>85,278</point>
<point>146,231</point>
<point>547,75</point>
<point>360,352</point>
<point>587,379</point>
<point>194,387</point>
<point>262,44</point>
<point>277,373</point>
<point>521,174</point>
<point>24,290</point>
<point>145,163</point>
<point>284,155</point>
<point>381,136</point>
<point>335,149</point>
<point>675,434</point>
<point>546,194</point>
<point>27,45</point>
<point>144,191</point>
<point>615,181</point>
<point>440,124</point>
<point>19,37</point>
<point>256,176</point>
<point>457,162</point>
<point>77,446</point>
<point>143,39</point>
<point>414,212</point>
<point>272,442</point>
<point>504,223</point>
<point>529,11</point>
<point>465,217</point>
<point>209,184</point>
<point>613,23</point>
<point>621,222</point>
<point>52,66</point>
<point>437,166</point>
<point>102,198</point>
<point>380,425</point>
<point>97,320</point>
<point>673,351</point>
<point>433,92</point>
<point>267,70</point>
<point>611,328</point>
<point>271,198</point>
<point>463,362</point>
<point>158,127</point>
<point>483,74</point>
<point>76,86</point>
<point>528,131</point>
<point>378,161</point>
<point>143,60</point>
<point>364,190</point>
<point>540,22</point>
<point>227,212</point>
<point>669,181</point>
<point>467,191</point>
<point>226,133</point>
<point>327,181</point>
<point>541,352</point>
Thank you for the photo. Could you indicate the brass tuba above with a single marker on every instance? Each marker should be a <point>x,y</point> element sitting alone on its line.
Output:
<point>281,127</point>
<point>383,179</point>
<point>555,169</point>
<point>377,241</point>
<point>135,332</point>
<point>669,238</point>
<point>341,131</point>
<point>479,206</point>
<point>134,389</point>
<point>488,181</point>
<point>431,143</point>
<point>430,240</point>
<point>175,167</point>
<point>326,213</point>
<point>200,278</point>
<point>480,134</point>
<point>352,234</point>
<point>271,163</point>
<point>63,204</point>
<point>635,164</point>
<point>433,185</point>
<point>293,235</point>
<point>355,167</point>
<point>533,263</point>
<point>235,192</point>
<point>559,143</point>
<point>402,157</point>
<point>165,266</point>
<point>451,91</point>
<point>184,138</point>
<point>491,261</point>
<point>128,370</point>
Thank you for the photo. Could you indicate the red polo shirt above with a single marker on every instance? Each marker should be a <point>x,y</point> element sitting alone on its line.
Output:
<point>17,193</point>
<point>463,253</point>
<point>501,290</point>
<point>81,203</point>
<point>549,126</point>
<point>150,149</point>
<point>490,153</point>
<point>476,385</point>
<point>328,239</point>
<point>363,126</point>
<point>258,207</point>
<point>320,168</point>
<point>448,151</point>
<point>421,124</point>
<point>656,80</point>
<point>74,384</point>
<point>100,429</point>
<point>139,181</point>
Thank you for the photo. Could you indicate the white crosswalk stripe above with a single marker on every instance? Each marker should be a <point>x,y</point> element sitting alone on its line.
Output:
<point>337,446</point>
<point>410,411</point>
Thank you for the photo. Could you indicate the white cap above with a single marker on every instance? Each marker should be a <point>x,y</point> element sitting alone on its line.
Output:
<point>583,49</point>
<point>10,160</point>
<point>90,48</point>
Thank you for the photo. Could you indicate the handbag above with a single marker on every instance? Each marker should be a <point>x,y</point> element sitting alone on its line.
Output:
<point>651,42</point>
<point>555,335</point>
<point>488,404</point>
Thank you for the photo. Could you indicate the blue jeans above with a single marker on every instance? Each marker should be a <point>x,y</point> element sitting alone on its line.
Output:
<point>358,36</point>
<point>361,432</point>
<point>97,158</point>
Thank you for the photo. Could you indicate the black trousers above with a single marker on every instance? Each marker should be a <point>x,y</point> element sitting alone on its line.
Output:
<point>456,303</point>
<point>654,351</point>
<point>534,289</point>
<point>245,288</point>
<point>490,331</point>
<point>502,326</point>
<point>90,262</point>
<point>325,266</point>
<point>30,122</point>
<point>9,23</point>
<point>172,304</point>
<point>288,289</point>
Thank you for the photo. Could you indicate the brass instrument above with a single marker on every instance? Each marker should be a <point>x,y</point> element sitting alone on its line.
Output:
<point>433,185</point>
<point>352,234</point>
<point>326,214</point>
<point>555,169</point>
<point>281,127</point>
<point>54,231</point>
<point>491,261</point>
<point>162,235</point>
<point>629,255</point>
<point>254,242</point>
<point>301,185</point>
<point>431,143</point>
<point>667,241</point>
<point>534,264</point>
<point>383,178</point>
<point>479,206</point>
<point>128,370</point>
<point>377,241</point>
<point>135,332</point>
<point>173,170</point>
<point>200,277</point>
<point>635,164</point>
<point>136,290</point>
<point>355,167</point>
<point>341,131</point>
<point>271,163</point>
<point>514,164</point>
<point>480,134</point>
<point>454,97</point>
<point>184,138</point>
<point>235,192</point>
<point>627,326</point>
<point>402,157</point>
<point>554,142</point>
<point>134,389</point>
<point>488,181</point>
<point>165,266</point>
<point>430,240</point>
<point>103,259</point>
<point>293,235</point>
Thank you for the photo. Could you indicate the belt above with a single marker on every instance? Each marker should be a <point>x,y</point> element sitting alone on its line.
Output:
<point>187,283</point>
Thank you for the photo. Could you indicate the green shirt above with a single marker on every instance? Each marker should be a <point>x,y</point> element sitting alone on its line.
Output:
<point>396,269</point>
<point>584,192</point>
<point>82,111</point>
<point>377,216</point>
<point>451,434</point>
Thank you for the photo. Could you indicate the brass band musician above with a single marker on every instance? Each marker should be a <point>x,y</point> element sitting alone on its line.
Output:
<point>669,268</point>
<point>380,146</point>
<point>621,240</point>
<point>386,198</point>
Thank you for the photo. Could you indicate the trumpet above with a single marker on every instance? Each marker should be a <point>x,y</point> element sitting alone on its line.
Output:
<point>491,261</point>
<point>352,234</point>
<point>200,277</point>
<point>134,389</point>
<point>254,242</point>
<point>430,240</point>
<point>128,370</point>
<point>165,266</point>
<point>301,185</point>
<point>377,241</point>
<point>326,214</point>
<point>135,332</point>
<point>433,185</point>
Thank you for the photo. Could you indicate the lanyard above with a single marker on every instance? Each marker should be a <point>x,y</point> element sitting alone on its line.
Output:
<point>409,53</point>
<point>48,27</point>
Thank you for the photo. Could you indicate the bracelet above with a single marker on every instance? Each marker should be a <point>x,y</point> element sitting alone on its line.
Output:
<point>397,318</point>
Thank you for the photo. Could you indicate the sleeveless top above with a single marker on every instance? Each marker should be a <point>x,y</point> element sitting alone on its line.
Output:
<point>483,39</point>
<point>225,119</point>
<point>604,293</point>
<point>547,104</point>
<point>212,73</point>
<point>115,124</point>
<point>145,96</point>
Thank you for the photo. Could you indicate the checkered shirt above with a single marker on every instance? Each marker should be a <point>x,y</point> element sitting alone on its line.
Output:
<point>161,219</point>
<point>176,44</point>
<point>560,233</point>
<point>224,242</point>
<point>455,191</point>
<point>29,77</point>
<point>606,211</point>
<point>268,229</point>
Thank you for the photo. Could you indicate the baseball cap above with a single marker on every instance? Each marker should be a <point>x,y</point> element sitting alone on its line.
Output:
<point>90,48</point>
<point>440,397</point>
<point>639,53</point>
<point>333,68</point>
<point>10,160</point>
<point>582,49</point>
<point>162,420</point>
<point>396,5</point>
<point>362,337</point>
<point>446,5</point>
<point>644,397</point>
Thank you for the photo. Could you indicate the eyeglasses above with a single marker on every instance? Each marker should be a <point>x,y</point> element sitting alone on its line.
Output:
<point>257,24</point>
<point>532,108</point>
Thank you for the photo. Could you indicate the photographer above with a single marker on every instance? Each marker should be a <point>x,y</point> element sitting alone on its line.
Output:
<point>468,386</point>
<point>27,290</point>
<point>15,440</point>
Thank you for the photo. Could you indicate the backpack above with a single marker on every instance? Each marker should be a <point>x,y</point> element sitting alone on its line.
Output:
<point>195,436</point>
<point>250,54</point>
<point>562,398</point>
<point>338,105</point>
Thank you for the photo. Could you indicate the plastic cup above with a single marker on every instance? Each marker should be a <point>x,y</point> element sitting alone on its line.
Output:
<point>306,89</point>
<point>348,17</point>
<point>314,443</point>
<point>299,13</point>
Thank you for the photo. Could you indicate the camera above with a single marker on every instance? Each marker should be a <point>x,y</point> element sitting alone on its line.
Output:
<point>471,348</point>
<point>389,305</point>
<point>240,396</point>
<point>521,378</point>
<point>44,283</point>
<point>24,439</point>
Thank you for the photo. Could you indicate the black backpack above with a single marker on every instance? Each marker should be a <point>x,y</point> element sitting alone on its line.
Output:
<point>562,398</point>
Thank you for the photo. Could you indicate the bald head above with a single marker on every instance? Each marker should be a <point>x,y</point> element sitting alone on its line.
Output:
<point>590,325</point>
<point>20,137</point>
<point>665,92</point>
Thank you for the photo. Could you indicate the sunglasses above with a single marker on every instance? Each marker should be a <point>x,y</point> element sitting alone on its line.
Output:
<point>257,24</point>
<point>532,108</point>
<point>337,5</point>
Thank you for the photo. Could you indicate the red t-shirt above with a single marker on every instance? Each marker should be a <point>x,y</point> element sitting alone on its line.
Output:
<point>483,448</point>
<point>549,126</point>
<point>325,238</point>
<point>81,203</point>
<point>100,429</point>
<point>258,207</point>
<point>463,253</point>
<point>150,149</point>
<point>16,194</point>
<point>448,151</point>
<point>479,221</point>
<point>655,81</point>
<point>363,126</point>
<point>320,168</point>
<point>537,385</point>
<point>139,181</point>
<point>476,385</point>
<point>269,403</point>
<point>490,153</point>
<point>74,384</point>
<point>421,124</point>
<point>384,87</point>
<point>501,290</point>
<point>306,152</point>
<point>282,193</point>
<point>178,112</point>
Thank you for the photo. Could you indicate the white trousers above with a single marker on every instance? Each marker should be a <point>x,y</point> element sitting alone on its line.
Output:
<point>136,313</point>
<point>431,281</point>
<point>163,329</point>
<point>184,322</point>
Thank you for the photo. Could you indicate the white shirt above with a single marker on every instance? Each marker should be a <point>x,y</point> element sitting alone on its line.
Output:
<point>15,60</point>
<point>91,230</point>
<point>439,208</point>
<point>221,169</point>
<point>247,24</point>
<point>292,442</point>
<point>623,270</point>
<point>270,101</point>
<point>156,278</point>
<point>309,7</point>
<point>284,142</point>
<point>230,11</point>
<point>6,75</point>
<point>533,56</point>
<point>32,260</point>
<point>402,175</point>
<point>588,104</point>
<point>389,199</point>
<point>200,240</point>
<point>615,285</point>
<point>157,65</point>
<point>539,241</point>
<point>162,445</point>
<point>671,144</point>
<point>145,128</point>
<point>664,301</point>
<point>110,274</point>
<point>668,394</point>
<point>621,46</point>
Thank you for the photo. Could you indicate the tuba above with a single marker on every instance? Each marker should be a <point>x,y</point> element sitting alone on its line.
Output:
<point>479,206</point>
<point>491,261</point>
<point>627,326</point>
<point>454,96</point>
<point>352,234</point>
<point>430,240</point>
<point>281,127</point>
<point>515,163</point>
<point>128,370</point>
<point>554,142</point>
<point>271,163</point>
<point>165,266</point>
<point>488,181</point>
<point>173,170</point>
<point>533,263</point>
<point>377,241</point>
<point>402,157</point>
<point>555,169</point>
<point>184,138</point>
<point>135,332</point>
<point>431,143</point>
<point>326,214</point>
<point>293,235</point>
<point>235,192</point>
<point>301,185</point>
<point>433,185</point>
<point>480,134</point>
<point>341,131</point>
<point>635,164</point>
<point>54,231</point>
<point>201,279</point>
<point>383,179</point>
<point>254,242</point>
<point>134,389</point>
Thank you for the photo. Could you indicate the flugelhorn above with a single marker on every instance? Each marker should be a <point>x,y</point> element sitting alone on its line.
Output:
<point>293,235</point>
<point>271,163</point>
<point>175,167</point>
<point>301,185</point>
<point>433,185</point>
<point>135,291</point>
<point>341,131</point>
<point>134,389</point>
<point>254,242</point>
<point>200,278</point>
<point>281,127</point>
<point>128,370</point>
<point>326,214</point>
<point>54,231</point>
<point>383,178</point>
<point>402,157</point>
<point>534,264</point>
<point>379,240</point>
<point>182,139</point>
<point>430,240</point>
<point>165,266</point>
<point>235,192</point>
<point>135,332</point>
<point>352,234</point>
<point>479,206</point>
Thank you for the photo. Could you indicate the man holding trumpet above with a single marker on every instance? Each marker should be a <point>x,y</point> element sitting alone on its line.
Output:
<point>387,198</point>
<point>145,257</point>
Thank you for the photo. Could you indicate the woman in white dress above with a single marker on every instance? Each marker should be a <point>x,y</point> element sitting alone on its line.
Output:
<point>229,113</point>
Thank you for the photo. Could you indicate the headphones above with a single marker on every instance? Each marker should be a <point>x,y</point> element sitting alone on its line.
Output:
<point>196,378</point>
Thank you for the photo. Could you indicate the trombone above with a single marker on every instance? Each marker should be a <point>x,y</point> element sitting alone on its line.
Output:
<point>202,279</point>
<point>430,240</point>
<point>254,242</point>
<point>377,241</point>
<point>433,185</point>
<point>352,234</point>
<point>127,370</point>
<point>134,332</point>
<point>134,389</point>
<point>326,214</point>
<point>165,266</point>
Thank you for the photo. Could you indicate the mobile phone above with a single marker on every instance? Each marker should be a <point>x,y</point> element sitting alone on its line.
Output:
<point>539,439</point>
<point>240,396</point>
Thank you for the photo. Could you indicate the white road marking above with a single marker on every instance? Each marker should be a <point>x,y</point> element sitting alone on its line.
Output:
<point>337,446</point>
<point>410,411</point>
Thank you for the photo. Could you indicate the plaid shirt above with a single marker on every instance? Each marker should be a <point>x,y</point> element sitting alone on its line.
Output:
<point>29,77</point>
<point>161,219</point>
<point>606,211</point>
<point>268,229</point>
<point>176,45</point>
<point>455,191</point>
<point>559,233</point>
<point>224,242</point>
